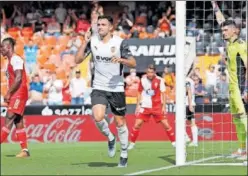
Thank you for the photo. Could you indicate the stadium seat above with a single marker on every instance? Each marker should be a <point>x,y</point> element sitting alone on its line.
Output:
<point>19,49</point>
<point>57,49</point>
<point>205,37</point>
<point>50,66</point>
<point>63,40</point>
<point>213,49</point>
<point>46,50</point>
<point>217,36</point>
<point>41,59</point>
<point>3,77</point>
<point>200,49</point>
<point>61,74</point>
<point>50,41</point>
<point>55,59</point>
<point>69,60</point>
<point>3,88</point>
<point>243,33</point>
<point>19,41</point>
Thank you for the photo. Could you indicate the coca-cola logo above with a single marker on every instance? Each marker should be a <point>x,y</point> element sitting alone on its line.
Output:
<point>64,130</point>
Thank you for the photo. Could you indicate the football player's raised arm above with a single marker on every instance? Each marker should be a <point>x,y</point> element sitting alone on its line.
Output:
<point>126,55</point>
<point>17,64</point>
<point>219,16</point>
<point>83,52</point>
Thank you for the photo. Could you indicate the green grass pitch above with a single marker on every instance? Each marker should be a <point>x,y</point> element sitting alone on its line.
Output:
<point>90,158</point>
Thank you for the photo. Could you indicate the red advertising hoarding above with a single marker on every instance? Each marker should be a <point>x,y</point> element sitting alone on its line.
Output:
<point>82,128</point>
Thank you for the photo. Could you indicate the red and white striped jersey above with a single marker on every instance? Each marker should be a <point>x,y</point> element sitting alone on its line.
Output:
<point>17,63</point>
<point>151,92</point>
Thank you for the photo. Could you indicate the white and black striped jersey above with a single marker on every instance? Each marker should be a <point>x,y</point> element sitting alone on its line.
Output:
<point>108,76</point>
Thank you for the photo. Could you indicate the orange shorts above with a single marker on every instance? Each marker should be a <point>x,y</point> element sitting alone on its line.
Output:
<point>17,105</point>
<point>146,113</point>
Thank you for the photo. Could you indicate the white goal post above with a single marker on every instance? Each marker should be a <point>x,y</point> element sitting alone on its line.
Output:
<point>180,82</point>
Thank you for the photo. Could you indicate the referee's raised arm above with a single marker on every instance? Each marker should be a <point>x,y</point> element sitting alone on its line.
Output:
<point>84,49</point>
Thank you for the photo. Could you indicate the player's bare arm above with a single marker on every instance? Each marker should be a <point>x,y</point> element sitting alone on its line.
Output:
<point>191,108</point>
<point>126,57</point>
<point>15,86</point>
<point>138,103</point>
<point>163,94</point>
<point>219,16</point>
<point>130,62</point>
<point>82,53</point>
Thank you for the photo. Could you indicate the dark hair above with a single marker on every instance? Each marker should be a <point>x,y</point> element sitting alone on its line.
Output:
<point>11,41</point>
<point>109,18</point>
<point>228,23</point>
<point>152,67</point>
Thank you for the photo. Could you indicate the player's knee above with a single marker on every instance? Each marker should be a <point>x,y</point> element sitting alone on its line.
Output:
<point>137,126</point>
<point>98,117</point>
<point>192,122</point>
<point>120,123</point>
<point>165,124</point>
<point>10,116</point>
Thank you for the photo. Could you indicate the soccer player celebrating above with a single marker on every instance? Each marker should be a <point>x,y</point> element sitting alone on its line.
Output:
<point>110,53</point>
<point>16,96</point>
<point>237,69</point>
<point>151,103</point>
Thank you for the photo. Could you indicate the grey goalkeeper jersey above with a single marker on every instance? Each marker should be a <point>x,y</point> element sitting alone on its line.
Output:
<point>108,76</point>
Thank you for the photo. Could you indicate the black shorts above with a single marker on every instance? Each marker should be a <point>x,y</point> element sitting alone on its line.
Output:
<point>189,114</point>
<point>116,100</point>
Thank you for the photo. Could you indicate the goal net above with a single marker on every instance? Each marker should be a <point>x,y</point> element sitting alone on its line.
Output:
<point>218,142</point>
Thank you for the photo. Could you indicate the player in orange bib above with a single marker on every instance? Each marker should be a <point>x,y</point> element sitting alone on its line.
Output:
<point>16,96</point>
<point>151,103</point>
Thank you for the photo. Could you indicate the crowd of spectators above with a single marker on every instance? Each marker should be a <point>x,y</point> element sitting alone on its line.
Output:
<point>48,35</point>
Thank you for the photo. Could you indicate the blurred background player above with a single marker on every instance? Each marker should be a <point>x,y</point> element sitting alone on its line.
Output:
<point>151,103</point>
<point>190,109</point>
<point>236,62</point>
<point>110,54</point>
<point>16,96</point>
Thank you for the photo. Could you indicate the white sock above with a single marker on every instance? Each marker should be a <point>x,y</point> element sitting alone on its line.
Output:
<point>187,139</point>
<point>104,128</point>
<point>123,136</point>
<point>106,117</point>
<point>194,131</point>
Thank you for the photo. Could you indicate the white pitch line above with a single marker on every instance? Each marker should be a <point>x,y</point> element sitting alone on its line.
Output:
<point>173,166</point>
<point>219,164</point>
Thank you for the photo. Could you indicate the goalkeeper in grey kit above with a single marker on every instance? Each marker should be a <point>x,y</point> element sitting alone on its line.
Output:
<point>109,54</point>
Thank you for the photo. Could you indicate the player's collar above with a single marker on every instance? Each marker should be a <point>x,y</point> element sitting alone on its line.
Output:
<point>234,40</point>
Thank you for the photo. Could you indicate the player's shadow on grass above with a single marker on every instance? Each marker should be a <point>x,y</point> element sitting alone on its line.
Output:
<point>10,156</point>
<point>97,164</point>
<point>168,158</point>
